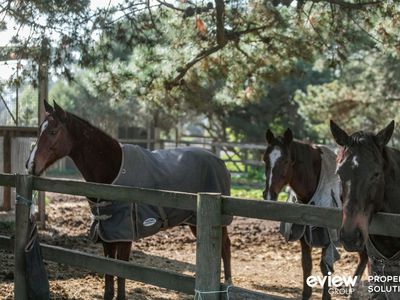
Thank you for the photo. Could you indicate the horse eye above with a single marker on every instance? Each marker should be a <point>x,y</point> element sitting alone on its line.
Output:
<point>53,132</point>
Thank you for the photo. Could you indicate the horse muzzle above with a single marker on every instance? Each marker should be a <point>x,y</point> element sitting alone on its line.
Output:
<point>272,196</point>
<point>353,241</point>
<point>30,167</point>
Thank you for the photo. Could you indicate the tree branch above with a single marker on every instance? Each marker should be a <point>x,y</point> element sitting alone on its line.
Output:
<point>8,109</point>
<point>183,70</point>
<point>392,98</point>
<point>348,5</point>
<point>152,18</point>
<point>220,9</point>
<point>170,5</point>
<point>228,36</point>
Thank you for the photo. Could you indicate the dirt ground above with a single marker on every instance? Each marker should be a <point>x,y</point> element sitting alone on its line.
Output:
<point>261,259</point>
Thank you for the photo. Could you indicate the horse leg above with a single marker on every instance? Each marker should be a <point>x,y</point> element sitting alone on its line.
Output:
<point>109,251</point>
<point>306,263</point>
<point>325,269</point>
<point>193,230</point>
<point>362,263</point>
<point>123,252</point>
<point>225,253</point>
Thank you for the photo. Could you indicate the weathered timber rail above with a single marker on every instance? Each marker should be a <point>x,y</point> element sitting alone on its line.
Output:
<point>208,206</point>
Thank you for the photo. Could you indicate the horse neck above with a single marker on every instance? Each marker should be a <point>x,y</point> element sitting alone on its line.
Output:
<point>389,246</point>
<point>97,155</point>
<point>392,178</point>
<point>305,170</point>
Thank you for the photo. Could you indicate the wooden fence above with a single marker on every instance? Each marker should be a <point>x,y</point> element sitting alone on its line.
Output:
<point>209,208</point>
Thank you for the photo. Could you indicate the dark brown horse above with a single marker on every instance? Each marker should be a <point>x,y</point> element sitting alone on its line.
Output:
<point>98,158</point>
<point>370,174</point>
<point>297,164</point>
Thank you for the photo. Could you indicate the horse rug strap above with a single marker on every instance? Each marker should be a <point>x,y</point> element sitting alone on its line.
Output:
<point>37,282</point>
<point>182,169</point>
<point>384,268</point>
<point>327,194</point>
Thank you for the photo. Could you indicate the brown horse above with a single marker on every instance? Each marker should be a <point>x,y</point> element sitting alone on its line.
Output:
<point>370,174</point>
<point>297,164</point>
<point>99,158</point>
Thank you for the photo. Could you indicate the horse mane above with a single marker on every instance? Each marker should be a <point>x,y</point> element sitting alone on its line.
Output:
<point>391,157</point>
<point>73,119</point>
<point>97,155</point>
<point>361,137</point>
<point>306,158</point>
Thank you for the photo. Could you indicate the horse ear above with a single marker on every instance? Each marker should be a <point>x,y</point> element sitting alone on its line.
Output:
<point>340,136</point>
<point>288,136</point>
<point>269,137</point>
<point>383,136</point>
<point>47,107</point>
<point>60,113</point>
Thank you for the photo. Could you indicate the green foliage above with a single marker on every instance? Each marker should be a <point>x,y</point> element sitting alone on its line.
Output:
<point>238,63</point>
<point>220,85</point>
<point>276,109</point>
<point>364,95</point>
<point>249,83</point>
<point>98,106</point>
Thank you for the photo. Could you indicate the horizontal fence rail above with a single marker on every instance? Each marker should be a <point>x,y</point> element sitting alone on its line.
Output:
<point>119,193</point>
<point>8,180</point>
<point>382,223</point>
<point>100,264</point>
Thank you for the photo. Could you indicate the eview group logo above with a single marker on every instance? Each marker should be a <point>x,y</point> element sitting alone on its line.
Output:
<point>338,285</point>
<point>345,285</point>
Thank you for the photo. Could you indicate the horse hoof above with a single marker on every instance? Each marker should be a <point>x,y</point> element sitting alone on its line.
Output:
<point>108,297</point>
<point>228,282</point>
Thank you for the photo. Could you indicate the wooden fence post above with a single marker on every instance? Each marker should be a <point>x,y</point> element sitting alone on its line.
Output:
<point>208,246</point>
<point>7,169</point>
<point>22,210</point>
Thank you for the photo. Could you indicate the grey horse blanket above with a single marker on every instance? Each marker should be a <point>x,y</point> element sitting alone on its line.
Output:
<point>327,194</point>
<point>383,268</point>
<point>183,169</point>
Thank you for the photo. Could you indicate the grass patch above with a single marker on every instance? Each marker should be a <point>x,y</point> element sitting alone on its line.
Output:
<point>246,192</point>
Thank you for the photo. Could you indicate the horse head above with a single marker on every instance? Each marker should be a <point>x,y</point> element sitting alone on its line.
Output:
<point>54,141</point>
<point>360,166</point>
<point>278,163</point>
